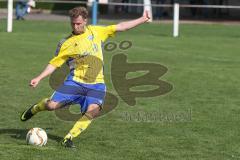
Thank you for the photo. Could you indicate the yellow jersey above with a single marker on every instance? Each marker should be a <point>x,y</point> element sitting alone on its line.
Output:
<point>83,54</point>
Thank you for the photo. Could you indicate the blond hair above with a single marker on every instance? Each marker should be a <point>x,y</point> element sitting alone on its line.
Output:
<point>78,11</point>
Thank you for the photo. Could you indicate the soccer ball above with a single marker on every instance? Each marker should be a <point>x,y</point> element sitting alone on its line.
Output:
<point>36,136</point>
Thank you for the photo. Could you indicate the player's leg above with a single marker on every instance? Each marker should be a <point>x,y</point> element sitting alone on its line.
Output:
<point>44,104</point>
<point>84,121</point>
<point>60,98</point>
<point>81,125</point>
<point>18,10</point>
<point>91,107</point>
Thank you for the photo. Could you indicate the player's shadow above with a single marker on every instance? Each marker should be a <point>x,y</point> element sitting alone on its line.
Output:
<point>21,134</point>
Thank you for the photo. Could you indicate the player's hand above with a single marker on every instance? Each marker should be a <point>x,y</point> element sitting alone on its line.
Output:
<point>146,16</point>
<point>34,82</point>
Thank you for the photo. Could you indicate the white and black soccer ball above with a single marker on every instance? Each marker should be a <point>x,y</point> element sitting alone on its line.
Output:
<point>36,136</point>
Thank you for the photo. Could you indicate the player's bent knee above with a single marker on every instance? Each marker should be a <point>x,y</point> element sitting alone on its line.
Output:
<point>52,105</point>
<point>93,111</point>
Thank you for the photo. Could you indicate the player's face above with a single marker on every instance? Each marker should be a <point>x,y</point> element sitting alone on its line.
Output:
<point>78,24</point>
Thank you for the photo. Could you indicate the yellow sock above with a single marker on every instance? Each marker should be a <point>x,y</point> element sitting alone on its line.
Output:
<point>79,127</point>
<point>40,106</point>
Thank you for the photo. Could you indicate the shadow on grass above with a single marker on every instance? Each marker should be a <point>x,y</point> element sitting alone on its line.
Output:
<point>21,134</point>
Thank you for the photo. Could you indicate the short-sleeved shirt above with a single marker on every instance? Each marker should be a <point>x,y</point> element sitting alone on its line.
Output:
<point>83,54</point>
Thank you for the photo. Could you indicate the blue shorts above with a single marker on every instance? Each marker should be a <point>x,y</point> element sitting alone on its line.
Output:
<point>72,92</point>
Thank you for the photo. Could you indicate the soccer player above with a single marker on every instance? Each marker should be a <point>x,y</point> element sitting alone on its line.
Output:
<point>82,52</point>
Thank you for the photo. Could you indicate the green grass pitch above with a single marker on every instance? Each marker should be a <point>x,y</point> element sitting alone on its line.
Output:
<point>198,119</point>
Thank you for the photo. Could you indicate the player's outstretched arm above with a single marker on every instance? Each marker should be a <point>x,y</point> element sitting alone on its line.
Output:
<point>47,71</point>
<point>123,26</point>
